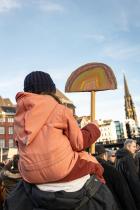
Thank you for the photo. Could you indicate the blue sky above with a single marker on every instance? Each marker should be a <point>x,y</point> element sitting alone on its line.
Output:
<point>58,36</point>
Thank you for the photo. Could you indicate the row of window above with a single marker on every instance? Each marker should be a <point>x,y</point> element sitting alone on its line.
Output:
<point>9,119</point>
<point>2,143</point>
<point>106,134</point>
<point>105,128</point>
<point>10,130</point>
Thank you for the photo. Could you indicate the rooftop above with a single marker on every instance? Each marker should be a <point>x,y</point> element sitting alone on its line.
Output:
<point>5,102</point>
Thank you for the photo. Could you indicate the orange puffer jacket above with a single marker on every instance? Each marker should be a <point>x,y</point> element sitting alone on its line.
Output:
<point>50,142</point>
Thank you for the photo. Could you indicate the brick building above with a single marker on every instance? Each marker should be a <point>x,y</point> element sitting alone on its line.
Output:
<point>7,112</point>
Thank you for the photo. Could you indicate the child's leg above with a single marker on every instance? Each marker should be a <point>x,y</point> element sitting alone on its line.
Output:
<point>86,164</point>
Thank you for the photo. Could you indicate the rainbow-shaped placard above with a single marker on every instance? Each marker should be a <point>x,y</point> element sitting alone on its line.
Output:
<point>91,77</point>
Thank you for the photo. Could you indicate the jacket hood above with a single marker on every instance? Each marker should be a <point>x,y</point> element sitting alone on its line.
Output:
<point>122,153</point>
<point>32,112</point>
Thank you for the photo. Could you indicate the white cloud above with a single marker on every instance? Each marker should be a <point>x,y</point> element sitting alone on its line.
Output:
<point>123,20</point>
<point>121,51</point>
<point>95,37</point>
<point>10,83</point>
<point>49,6</point>
<point>108,105</point>
<point>125,14</point>
<point>58,74</point>
<point>7,5</point>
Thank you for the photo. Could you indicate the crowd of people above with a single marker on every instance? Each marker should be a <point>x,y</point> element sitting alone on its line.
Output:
<point>53,171</point>
<point>9,177</point>
<point>121,172</point>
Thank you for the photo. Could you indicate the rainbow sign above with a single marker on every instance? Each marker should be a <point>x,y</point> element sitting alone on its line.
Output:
<point>91,77</point>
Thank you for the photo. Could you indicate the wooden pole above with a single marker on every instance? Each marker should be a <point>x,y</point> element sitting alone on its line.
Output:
<point>1,154</point>
<point>92,148</point>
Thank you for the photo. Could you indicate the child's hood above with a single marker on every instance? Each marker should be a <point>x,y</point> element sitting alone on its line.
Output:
<point>32,113</point>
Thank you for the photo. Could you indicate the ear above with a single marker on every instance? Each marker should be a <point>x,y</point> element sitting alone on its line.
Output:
<point>105,156</point>
<point>128,146</point>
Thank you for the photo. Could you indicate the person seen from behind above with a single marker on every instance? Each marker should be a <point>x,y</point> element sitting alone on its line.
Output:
<point>50,143</point>
<point>57,173</point>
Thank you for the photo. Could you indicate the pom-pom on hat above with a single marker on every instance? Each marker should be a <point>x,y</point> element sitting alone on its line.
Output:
<point>38,82</point>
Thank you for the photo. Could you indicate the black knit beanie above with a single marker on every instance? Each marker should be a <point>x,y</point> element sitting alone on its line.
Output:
<point>99,149</point>
<point>38,81</point>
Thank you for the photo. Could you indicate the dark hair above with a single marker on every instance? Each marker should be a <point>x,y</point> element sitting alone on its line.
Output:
<point>99,149</point>
<point>53,95</point>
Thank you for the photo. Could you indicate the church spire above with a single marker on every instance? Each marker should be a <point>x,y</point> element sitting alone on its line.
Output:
<point>130,111</point>
<point>126,88</point>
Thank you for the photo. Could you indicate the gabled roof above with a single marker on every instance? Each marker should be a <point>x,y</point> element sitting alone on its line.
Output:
<point>8,102</point>
<point>5,102</point>
<point>1,101</point>
<point>63,98</point>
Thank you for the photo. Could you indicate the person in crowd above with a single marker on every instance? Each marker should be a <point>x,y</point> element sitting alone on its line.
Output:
<point>10,175</point>
<point>1,187</point>
<point>1,166</point>
<point>114,180</point>
<point>137,160</point>
<point>111,157</point>
<point>125,164</point>
<point>52,157</point>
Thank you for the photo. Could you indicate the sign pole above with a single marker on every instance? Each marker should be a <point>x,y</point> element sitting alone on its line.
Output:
<point>1,154</point>
<point>92,148</point>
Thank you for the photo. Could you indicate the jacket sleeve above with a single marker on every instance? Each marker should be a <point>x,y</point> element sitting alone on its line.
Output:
<point>79,139</point>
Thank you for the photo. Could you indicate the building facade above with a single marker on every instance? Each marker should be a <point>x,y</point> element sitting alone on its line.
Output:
<point>6,126</point>
<point>83,121</point>
<point>111,131</point>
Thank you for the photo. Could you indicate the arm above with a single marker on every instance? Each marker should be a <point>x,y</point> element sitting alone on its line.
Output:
<point>90,134</point>
<point>8,174</point>
<point>79,139</point>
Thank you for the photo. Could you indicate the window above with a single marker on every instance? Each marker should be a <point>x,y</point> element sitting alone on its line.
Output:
<point>2,119</point>
<point>10,119</point>
<point>11,143</point>
<point>2,143</point>
<point>11,130</point>
<point>2,130</point>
